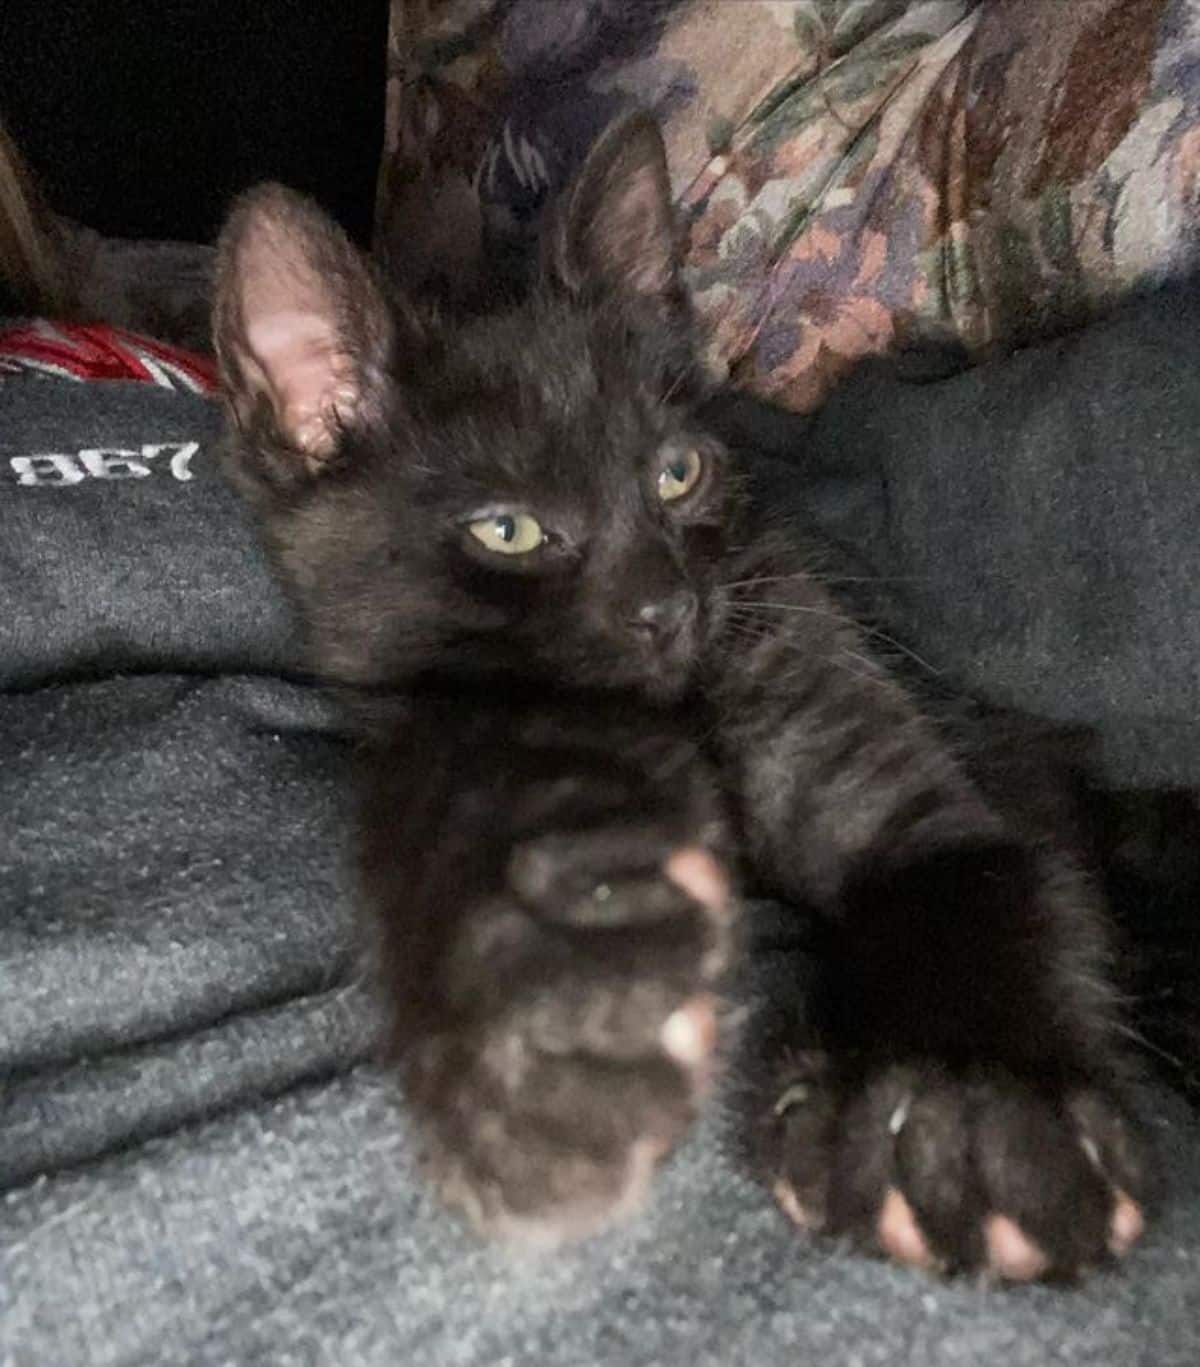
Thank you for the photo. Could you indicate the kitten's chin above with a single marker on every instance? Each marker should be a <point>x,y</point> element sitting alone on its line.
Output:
<point>667,694</point>
<point>661,686</point>
<point>671,684</point>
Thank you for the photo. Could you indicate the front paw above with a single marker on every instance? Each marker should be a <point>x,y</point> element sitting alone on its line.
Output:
<point>953,1172</point>
<point>582,1026</point>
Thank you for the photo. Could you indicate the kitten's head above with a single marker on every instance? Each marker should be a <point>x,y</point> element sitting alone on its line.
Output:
<point>525,493</point>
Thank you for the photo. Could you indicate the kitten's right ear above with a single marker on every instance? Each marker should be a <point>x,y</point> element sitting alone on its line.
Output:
<point>302,332</point>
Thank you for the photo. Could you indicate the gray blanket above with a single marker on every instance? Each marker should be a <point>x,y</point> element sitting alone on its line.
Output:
<point>199,1163</point>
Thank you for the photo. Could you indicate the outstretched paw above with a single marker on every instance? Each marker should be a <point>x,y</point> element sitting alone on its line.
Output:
<point>584,1037</point>
<point>981,1171</point>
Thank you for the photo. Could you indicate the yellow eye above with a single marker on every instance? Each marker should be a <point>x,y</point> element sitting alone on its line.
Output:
<point>679,476</point>
<point>508,533</point>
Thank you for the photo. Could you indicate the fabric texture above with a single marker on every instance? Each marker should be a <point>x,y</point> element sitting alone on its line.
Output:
<point>199,1163</point>
<point>84,352</point>
<point>858,176</point>
<point>120,550</point>
<point>1032,524</point>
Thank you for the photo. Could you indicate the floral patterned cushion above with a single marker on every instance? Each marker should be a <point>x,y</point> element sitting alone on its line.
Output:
<point>859,176</point>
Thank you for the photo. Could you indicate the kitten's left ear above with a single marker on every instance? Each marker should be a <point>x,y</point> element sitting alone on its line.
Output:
<point>616,231</point>
<point>302,332</point>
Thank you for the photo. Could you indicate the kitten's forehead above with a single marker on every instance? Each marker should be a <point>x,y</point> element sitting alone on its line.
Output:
<point>542,353</point>
<point>548,394</point>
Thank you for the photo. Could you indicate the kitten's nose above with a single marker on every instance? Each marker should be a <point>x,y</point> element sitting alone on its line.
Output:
<point>666,617</point>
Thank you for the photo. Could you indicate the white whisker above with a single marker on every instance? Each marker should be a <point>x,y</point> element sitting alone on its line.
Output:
<point>875,632</point>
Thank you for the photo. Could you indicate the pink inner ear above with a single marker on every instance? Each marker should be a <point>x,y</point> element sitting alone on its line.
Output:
<point>621,222</point>
<point>309,375</point>
<point>651,263</point>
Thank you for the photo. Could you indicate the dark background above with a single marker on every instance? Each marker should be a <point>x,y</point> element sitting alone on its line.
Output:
<point>142,118</point>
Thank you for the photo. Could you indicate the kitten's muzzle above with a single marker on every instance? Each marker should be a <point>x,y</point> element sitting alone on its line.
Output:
<point>662,620</point>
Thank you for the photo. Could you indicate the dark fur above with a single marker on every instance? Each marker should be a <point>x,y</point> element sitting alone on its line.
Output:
<point>546,742</point>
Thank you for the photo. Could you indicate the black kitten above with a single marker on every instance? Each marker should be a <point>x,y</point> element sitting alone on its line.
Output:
<point>615,684</point>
